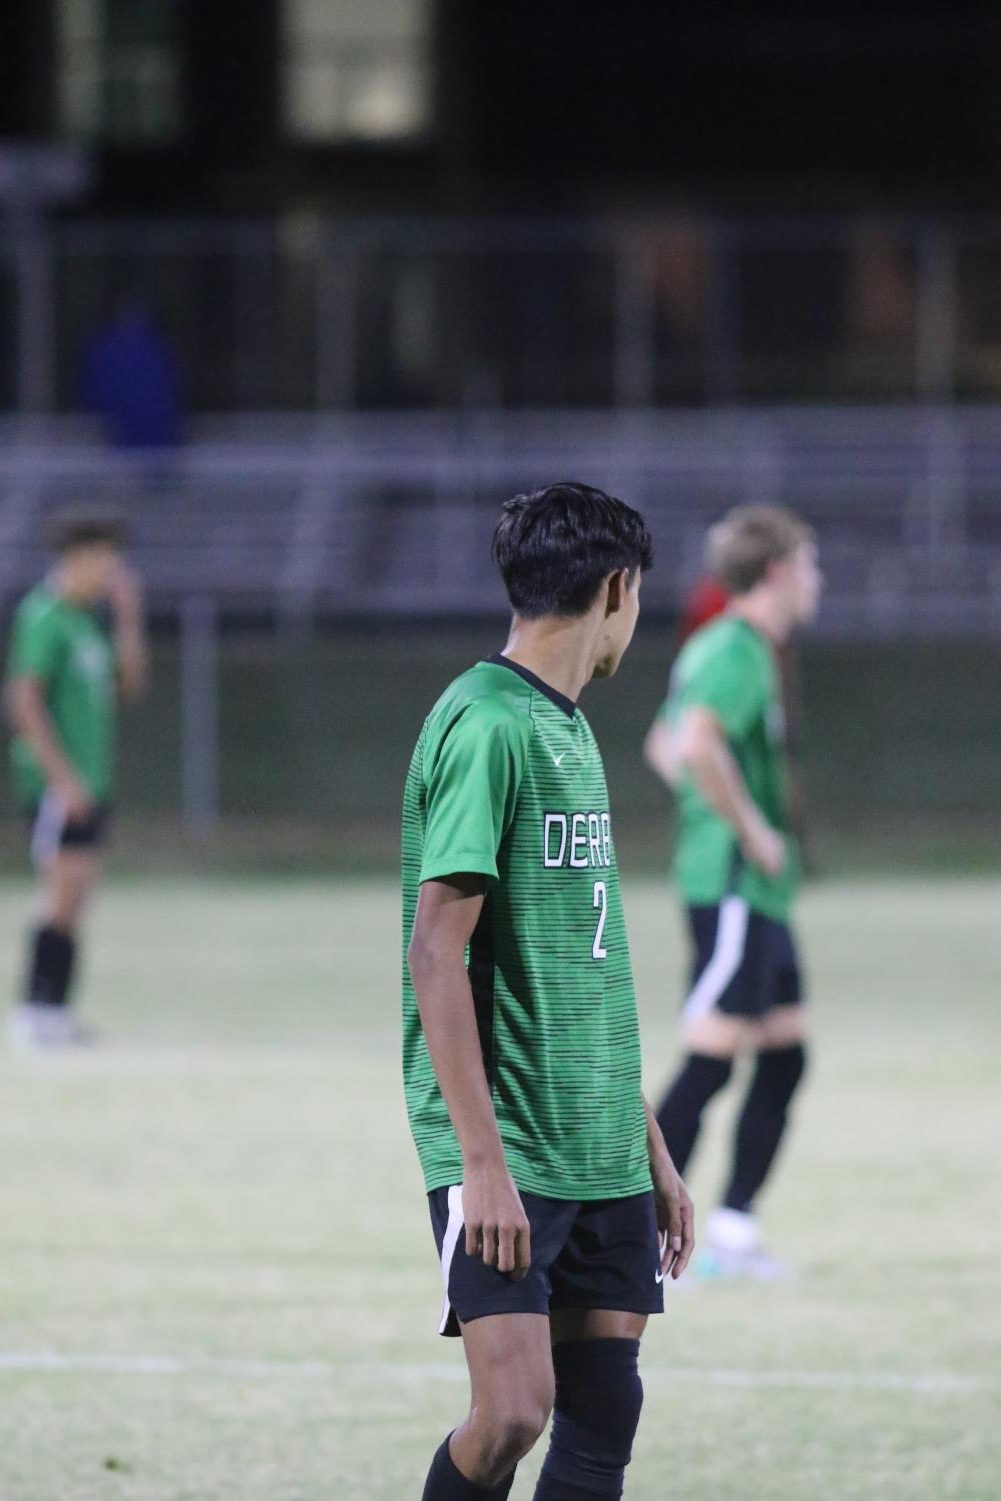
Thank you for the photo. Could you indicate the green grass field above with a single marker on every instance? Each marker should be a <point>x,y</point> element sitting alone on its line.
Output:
<point>217,1280</point>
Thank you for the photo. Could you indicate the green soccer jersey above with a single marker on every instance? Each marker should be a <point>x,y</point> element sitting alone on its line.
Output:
<point>66,649</point>
<point>507,781</point>
<point>730,668</point>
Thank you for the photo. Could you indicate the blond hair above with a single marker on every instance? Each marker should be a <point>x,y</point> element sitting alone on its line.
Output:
<point>741,547</point>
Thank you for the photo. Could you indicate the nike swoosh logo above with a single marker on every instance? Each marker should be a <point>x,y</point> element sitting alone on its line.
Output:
<point>558,759</point>
<point>658,1275</point>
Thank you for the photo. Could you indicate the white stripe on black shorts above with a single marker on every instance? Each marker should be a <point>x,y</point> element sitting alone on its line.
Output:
<point>52,830</point>
<point>744,963</point>
<point>602,1253</point>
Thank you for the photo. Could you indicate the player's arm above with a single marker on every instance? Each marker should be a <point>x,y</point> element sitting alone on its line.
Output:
<point>131,650</point>
<point>703,752</point>
<point>660,752</point>
<point>675,1211</point>
<point>447,912</point>
<point>31,720</point>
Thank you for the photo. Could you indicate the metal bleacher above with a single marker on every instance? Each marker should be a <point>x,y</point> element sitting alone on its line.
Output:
<point>390,514</point>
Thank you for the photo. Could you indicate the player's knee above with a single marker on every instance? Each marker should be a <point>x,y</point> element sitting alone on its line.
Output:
<point>68,890</point>
<point>701,1077</point>
<point>599,1397</point>
<point>509,1428</point>
<point>63,911</point>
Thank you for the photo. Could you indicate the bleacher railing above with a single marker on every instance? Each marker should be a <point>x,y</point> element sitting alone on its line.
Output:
<point>391,515</point>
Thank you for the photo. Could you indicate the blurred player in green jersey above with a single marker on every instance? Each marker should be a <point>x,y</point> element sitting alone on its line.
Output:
<point>64,677</point>
<point>555,1206</point>
<point>719,742</point>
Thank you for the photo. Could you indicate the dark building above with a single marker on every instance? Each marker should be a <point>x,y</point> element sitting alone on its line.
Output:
<point>530,104</point>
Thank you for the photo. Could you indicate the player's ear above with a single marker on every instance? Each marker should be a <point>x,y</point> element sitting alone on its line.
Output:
<point>616,588</point>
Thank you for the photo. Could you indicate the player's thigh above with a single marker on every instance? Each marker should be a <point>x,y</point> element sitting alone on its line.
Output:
<point>510,1363</point>
<point>596,1323</point>
<point>783,1027</point>
<point>69,880</point>
<point>719,1035</point>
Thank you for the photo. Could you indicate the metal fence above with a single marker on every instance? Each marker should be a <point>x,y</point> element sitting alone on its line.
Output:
<point>323,314</point>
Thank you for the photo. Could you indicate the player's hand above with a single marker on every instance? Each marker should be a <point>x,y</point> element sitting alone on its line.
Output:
<point>74,797</point>
<point>675,1215</point>
<point>125,594</point>
<point>765,848</point>
<point>497,1226</point>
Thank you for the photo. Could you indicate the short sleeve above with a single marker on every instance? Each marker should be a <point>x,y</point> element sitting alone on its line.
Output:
<point>472,784</point>
<point>36,645</point>
<point>734,684</point>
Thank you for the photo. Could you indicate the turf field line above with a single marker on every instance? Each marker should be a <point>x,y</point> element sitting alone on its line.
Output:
<point>936,1383</point>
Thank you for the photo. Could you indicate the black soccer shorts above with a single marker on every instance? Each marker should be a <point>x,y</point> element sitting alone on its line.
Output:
<point>52,830</point>
<point>744,963</point>
<point>600,1254</point>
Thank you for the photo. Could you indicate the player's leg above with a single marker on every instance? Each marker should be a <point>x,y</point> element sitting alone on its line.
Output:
<point>714,1030</point>
<point>69,868</point>
<point>613,1257</point>
<point>764,1119</point>
<point>599,1397</point>
<point>779,1067</point>
<point>505,1333</point>
<point>511,1396</point>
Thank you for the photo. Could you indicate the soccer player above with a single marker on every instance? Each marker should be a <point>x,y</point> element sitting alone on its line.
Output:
<point>719,742</point>
<point>64,677</point>
<point>556,1208</point>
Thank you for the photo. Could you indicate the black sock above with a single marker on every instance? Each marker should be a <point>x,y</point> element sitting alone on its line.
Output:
<point>762,1122</point>
<point>679,1116</point>
<point>446,1483</point>
<point>50,966</point>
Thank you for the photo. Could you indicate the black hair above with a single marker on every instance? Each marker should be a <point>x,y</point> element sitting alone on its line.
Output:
<point>554,547</point>
<point>69,530</point>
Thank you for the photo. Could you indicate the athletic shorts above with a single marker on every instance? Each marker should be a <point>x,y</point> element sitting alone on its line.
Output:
<point>601,1254</point>
<point>744,963</point>
<point>51,830</point>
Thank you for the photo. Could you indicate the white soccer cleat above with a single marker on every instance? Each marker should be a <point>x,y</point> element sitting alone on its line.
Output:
<point>732,1230</point>
<point>27,1028</point>
<point>733,1250</point>
<point>33,1028</point>
<point>66,1030</point>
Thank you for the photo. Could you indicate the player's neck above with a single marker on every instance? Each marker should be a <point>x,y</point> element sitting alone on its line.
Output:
<point>62,582</point>
<point>560,652</point>
<point>764,613</point>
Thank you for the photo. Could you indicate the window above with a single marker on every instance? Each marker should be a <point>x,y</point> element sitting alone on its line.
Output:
<point>356,70</point>
<point>118,70</point>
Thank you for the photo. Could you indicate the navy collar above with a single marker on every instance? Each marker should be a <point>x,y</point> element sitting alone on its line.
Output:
<point>559,699</point>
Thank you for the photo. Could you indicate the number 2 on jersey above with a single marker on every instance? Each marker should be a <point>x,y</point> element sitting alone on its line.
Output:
<point>598,950</point>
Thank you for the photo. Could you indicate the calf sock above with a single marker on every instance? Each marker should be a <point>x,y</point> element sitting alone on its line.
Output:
<point>446,1482</point>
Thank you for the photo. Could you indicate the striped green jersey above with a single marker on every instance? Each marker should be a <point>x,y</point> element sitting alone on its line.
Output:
<point>507,781</point>
<point>65,648</point>
<point>730,668</point>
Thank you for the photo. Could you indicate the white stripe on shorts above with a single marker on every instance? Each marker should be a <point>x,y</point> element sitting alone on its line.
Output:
<point>453,1230</point>
<point>47,831</point>
<point>727,954</point>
